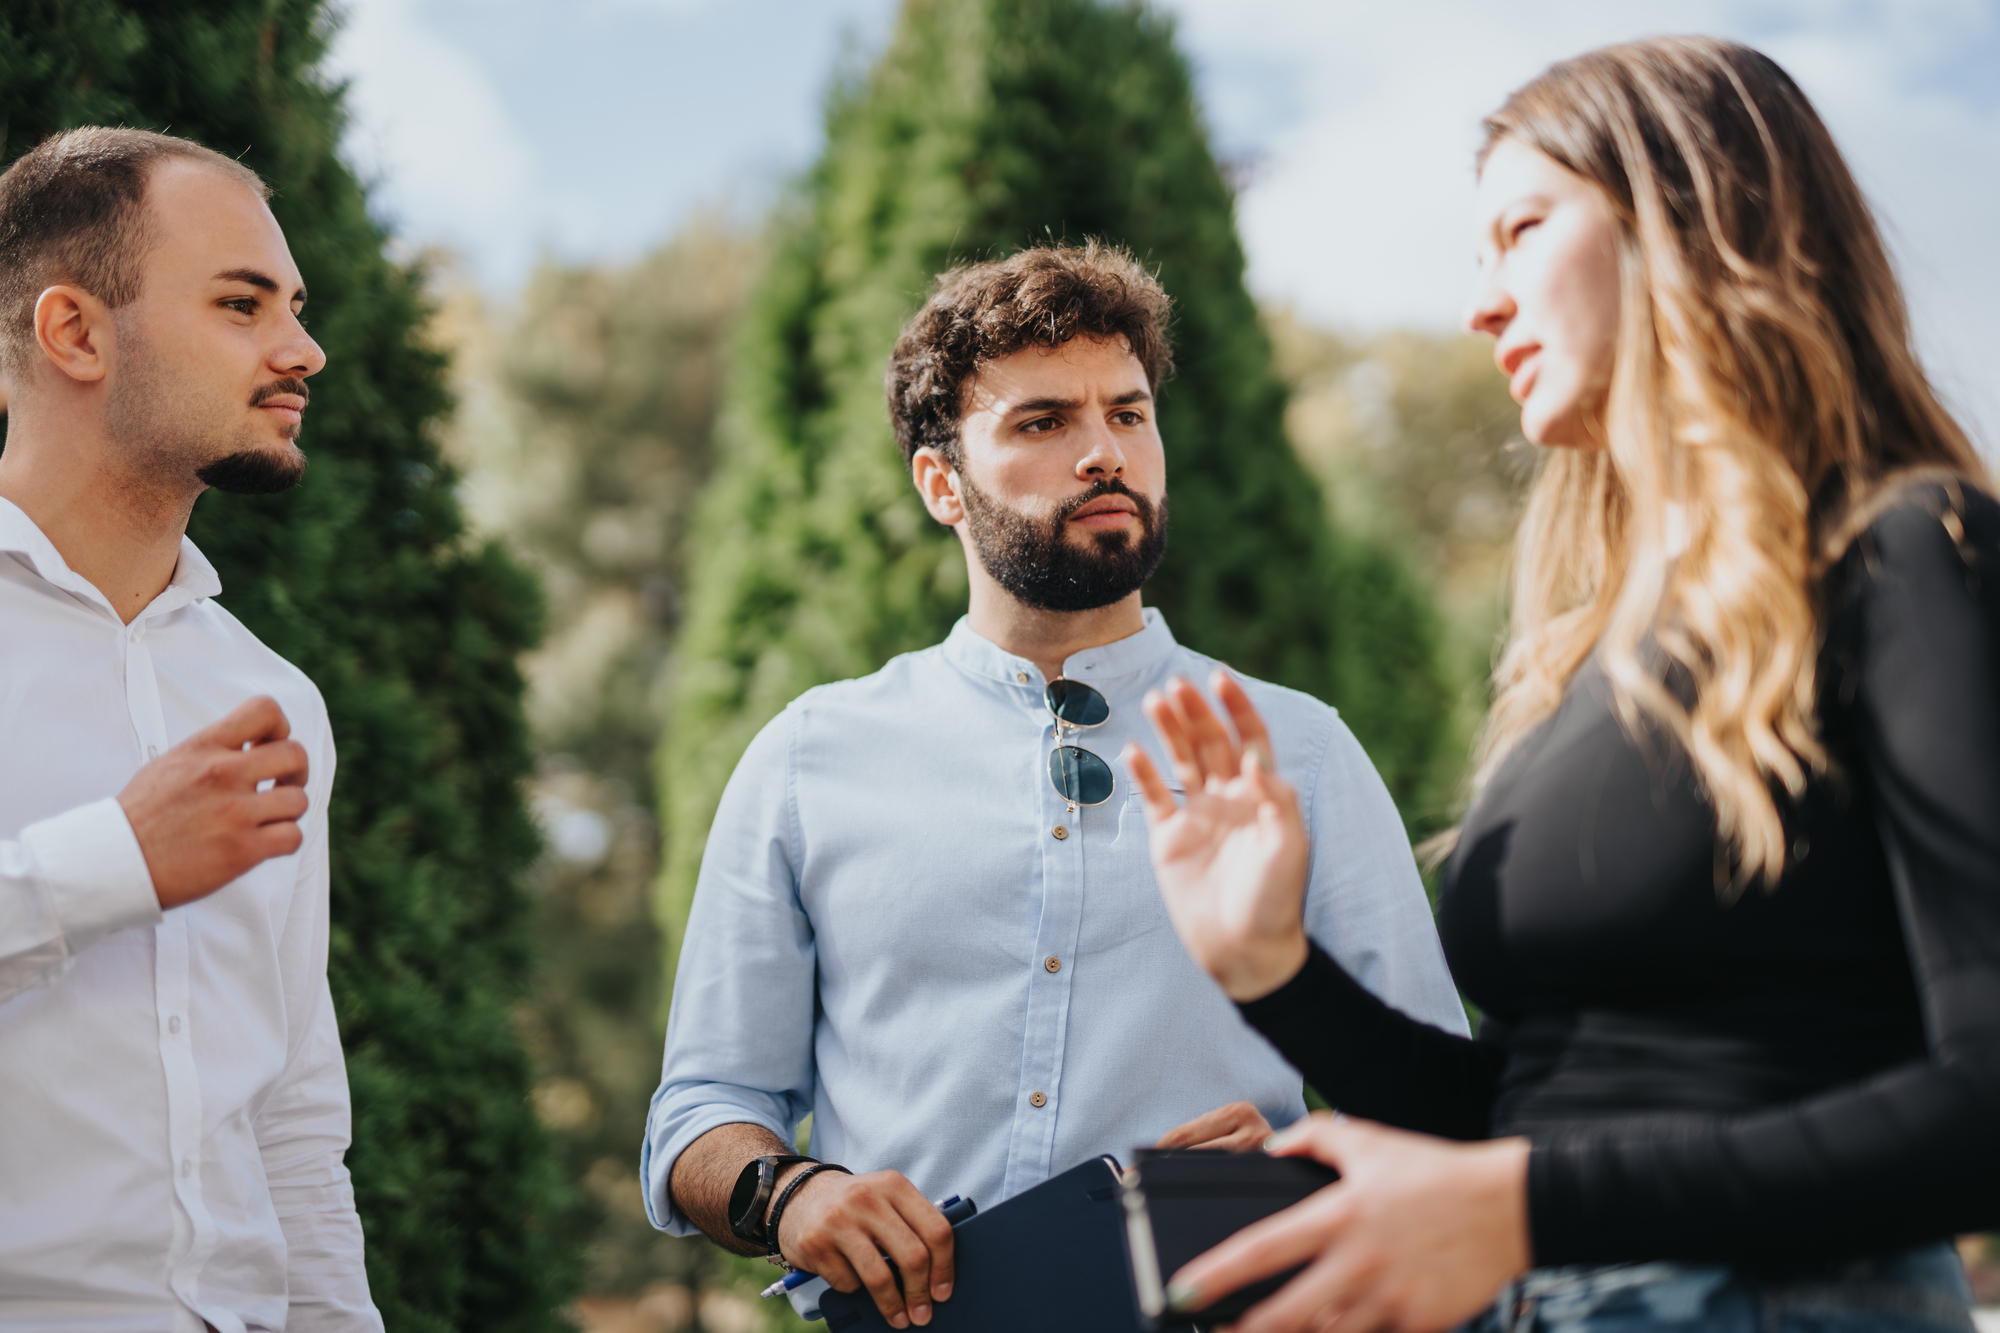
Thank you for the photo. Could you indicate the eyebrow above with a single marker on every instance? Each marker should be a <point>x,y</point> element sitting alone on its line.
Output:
<point>1072,404</point>
<point>255,279</point>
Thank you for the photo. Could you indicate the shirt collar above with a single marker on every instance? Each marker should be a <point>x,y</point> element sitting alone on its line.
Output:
<point>194,577</point>
<point>977,655</point>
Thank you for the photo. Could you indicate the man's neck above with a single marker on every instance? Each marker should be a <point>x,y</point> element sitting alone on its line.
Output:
<point>1048,638</point>
<point>122,535</point>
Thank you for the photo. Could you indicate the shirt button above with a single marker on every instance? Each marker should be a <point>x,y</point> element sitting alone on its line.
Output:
<point>174,1023</point>
<point>152,752</point>
<point>1059,832</point>
<point>1020,678</point>
<point>1052,964</point>
<point>187,1164</point>
<point>1037,1100</point>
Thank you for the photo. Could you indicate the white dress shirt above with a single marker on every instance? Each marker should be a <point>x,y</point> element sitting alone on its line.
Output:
<point>173,1102</point>
<point>901,928</point>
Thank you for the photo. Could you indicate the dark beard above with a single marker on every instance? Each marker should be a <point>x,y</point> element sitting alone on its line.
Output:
<point>1035,560</point>
<point>255,472</point>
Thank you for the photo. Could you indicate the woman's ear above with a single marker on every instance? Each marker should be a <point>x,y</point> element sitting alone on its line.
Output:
<point>937,482</point>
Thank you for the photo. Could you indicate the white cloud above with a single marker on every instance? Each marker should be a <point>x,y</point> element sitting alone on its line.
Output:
<point>428,127</point>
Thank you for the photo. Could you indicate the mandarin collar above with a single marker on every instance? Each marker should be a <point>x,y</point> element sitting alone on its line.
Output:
<point>977,655</point>
<point>194,577</point>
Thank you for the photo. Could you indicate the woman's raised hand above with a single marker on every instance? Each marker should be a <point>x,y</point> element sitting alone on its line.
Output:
<point>1231,862</point>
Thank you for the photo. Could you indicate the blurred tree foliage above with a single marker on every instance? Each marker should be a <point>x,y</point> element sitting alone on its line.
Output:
<point>1418,445</point>
<point>583,430</point>
<point>989,125</point>
<point>364,577</point>
<point>585,433</point>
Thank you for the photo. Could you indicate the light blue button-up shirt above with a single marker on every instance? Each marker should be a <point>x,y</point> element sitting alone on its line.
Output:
<point>901,928</point>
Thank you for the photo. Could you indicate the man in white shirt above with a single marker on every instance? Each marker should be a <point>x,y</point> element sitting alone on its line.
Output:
<point>926,912</point>
<point>171,1081</point>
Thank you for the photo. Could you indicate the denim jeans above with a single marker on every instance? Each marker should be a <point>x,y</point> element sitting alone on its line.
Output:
<point>1915,1291</point>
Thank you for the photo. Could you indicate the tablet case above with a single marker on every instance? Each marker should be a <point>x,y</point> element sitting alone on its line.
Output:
<point>1185,1202</point>
<point>1051,1259</point>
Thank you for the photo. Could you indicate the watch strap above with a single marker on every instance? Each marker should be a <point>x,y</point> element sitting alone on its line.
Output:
<point>791,1188</point>
<point>751,1198</point>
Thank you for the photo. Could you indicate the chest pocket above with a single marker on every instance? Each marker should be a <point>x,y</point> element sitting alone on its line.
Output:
<point>1131,807</point>
<point>1121,901</point>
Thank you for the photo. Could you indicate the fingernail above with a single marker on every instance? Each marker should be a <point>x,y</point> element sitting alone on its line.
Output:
<point>942,1291</point>
<point>1183,1295</point>
<point>899,1320</point>
<point>920,1314</point>
<point>1272,1142</point>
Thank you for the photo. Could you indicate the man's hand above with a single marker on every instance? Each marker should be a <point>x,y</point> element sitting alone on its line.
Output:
<point>1237,1127</point>
<point>196,810</point>
<point>841,1226</point>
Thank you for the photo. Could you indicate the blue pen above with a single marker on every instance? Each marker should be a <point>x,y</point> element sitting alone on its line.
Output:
<point>784,1284</point>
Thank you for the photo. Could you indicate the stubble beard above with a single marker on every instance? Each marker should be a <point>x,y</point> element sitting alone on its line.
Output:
<point>176,431</point>
<point>1035,559</point>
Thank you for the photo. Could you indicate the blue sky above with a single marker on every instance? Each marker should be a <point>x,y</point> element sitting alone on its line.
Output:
<point>504,129</point>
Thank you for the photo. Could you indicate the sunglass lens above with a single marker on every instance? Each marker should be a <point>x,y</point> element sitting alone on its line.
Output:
<point>1080,775</point>
<point>1076,703</point>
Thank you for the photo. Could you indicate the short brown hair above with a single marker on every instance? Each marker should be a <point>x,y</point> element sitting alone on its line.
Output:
<point>1040,297</point>
<point>73,210</point>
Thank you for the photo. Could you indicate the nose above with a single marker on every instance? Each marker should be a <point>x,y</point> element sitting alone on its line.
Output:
<point>1102,456</point>
<point>297,354</point>
<point>1490,309</point>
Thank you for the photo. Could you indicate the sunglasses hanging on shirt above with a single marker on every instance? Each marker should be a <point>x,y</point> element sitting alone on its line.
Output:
<point>1079,777</point>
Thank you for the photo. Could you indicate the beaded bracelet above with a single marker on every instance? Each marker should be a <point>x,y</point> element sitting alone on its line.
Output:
<point>785,1197</point>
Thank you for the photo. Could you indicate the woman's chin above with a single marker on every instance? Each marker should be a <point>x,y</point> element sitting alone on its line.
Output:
<point>1556,427</point>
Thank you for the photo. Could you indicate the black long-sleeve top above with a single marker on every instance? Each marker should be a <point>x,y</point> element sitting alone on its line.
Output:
<point>1810,1072</point>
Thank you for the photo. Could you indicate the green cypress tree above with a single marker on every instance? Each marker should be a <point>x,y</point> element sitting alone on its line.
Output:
<point>364,578</point>
<point>989,125</point>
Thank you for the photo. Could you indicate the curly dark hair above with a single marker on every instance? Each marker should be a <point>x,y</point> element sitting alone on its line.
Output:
<point>1039,297</point>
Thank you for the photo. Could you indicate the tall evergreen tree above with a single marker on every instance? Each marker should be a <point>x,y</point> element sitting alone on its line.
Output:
<point>364,578</point>
<point>989,125</point>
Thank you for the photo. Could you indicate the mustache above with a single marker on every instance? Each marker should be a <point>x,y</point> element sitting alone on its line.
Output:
<point>1102,487</point>
<point>278,388</point>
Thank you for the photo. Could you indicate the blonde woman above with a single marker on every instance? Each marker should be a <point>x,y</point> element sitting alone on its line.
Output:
<point>1728,894</point>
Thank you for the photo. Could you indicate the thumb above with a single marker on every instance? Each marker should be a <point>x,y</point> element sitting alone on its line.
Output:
<point>1323,1135</point>
<point>253,722</point>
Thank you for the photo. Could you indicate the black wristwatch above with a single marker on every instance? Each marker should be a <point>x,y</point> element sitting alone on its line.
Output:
<point>751,1198</point>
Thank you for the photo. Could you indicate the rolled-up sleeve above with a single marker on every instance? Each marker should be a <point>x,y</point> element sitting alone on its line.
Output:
<point>740,1033</point>
<point>1365,901</point>
<point>65,884</point>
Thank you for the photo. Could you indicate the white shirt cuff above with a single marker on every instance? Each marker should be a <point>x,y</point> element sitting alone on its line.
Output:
<point>89,864</point>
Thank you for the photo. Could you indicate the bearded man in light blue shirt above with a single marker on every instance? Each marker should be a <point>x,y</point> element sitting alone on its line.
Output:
<point>926,915</point>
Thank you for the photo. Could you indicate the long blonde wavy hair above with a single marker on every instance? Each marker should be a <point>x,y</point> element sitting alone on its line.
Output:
<point>1764,396</point>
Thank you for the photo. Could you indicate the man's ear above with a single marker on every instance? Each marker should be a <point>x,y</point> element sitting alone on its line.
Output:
<point>73,329</point>
<point>937,483</point>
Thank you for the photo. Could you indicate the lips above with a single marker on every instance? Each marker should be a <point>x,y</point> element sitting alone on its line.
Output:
<point>1519,365</point>
<point>285,397</point>
<point>1106,506</point>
